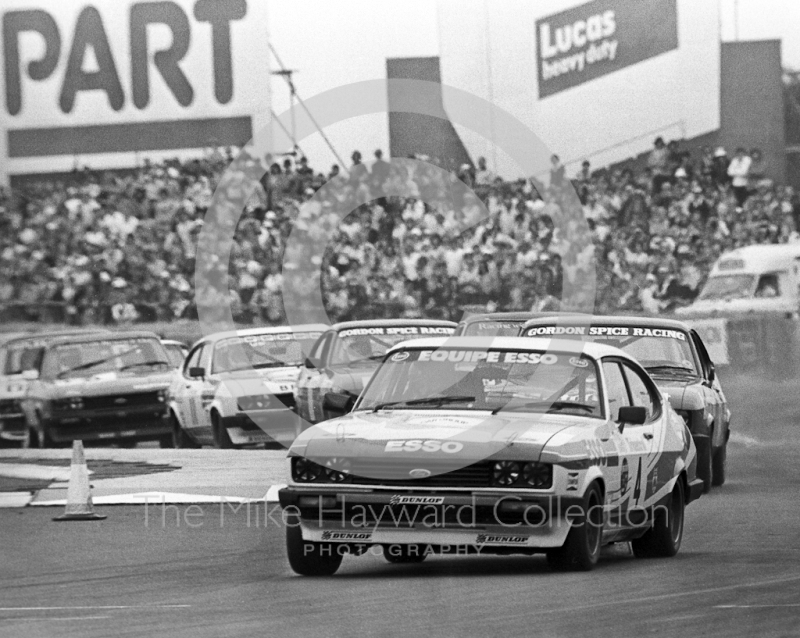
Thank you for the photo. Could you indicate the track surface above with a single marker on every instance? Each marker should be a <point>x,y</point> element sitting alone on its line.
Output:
<point>145,573</point>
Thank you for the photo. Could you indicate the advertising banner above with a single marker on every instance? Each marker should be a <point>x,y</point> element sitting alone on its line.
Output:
<point>600,37</point>
<point>118,76</point>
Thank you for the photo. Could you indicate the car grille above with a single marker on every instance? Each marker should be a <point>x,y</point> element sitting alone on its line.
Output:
<point>10,406</point>
<point>366,472</point>
<point>121,401</point>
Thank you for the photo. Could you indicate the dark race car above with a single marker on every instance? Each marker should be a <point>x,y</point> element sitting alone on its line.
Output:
<point>677,360</point>
<point>493,324</point>
<point>99,387</point>
<point>344,358</point>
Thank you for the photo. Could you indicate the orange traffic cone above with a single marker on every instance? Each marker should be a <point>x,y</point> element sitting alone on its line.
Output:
<point>79,495</point>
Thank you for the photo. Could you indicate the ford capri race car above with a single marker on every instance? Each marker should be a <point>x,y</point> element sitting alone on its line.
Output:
<point>503,445</point>
<point>342,361</point>
<point>99,387</point>
<point>237,388</point>
<point>676,358</point>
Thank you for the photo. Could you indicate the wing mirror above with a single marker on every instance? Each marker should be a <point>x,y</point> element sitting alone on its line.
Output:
<point>310,363</point>
<point>338,401</point>
<point>197,373</point>
<point>633,414</point>
<point>712,372</point>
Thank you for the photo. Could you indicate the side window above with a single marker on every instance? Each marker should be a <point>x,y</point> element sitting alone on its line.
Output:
<point>705,360</point>
<point>205,359</point>
<point>193,360</point>
<point>615,388</point>
<point>640,392</point>
<point>768,286</point>
<point>317,353</point>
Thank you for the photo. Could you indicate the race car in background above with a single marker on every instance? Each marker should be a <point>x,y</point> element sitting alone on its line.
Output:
<point>493,324</point>
<point>676,358</point>
<point>99,387</point>
<point>20,360</point>
<point>344,358</point>
<point>503,445</point>
<point>237,388</point>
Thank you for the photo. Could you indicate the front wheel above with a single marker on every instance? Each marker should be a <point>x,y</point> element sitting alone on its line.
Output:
<point>179,439</point>
<point>720,465</point>
<point>581,550</point>
<point>664,538</point>
<point>309,558</point>
<point>221,437</point>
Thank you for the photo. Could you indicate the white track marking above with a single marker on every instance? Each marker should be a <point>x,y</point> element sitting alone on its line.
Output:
<point>58,618</point>
<point>756,606</point>
<point>86,607</point>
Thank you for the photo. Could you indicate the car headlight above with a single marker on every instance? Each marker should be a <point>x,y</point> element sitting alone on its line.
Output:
<point>71,403</point>
<point>505,473</point>
<point>305,471</point>
<point>538,475</point>
<point>337,470</point>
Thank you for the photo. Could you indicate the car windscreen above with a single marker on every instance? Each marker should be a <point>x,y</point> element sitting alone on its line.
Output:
<point>269,350</point>
<point>660,349</point>
<point>90,358</point>
<point>502,379</point>
<point>491,328</point>
<point>357,345</point>
<point>728,287</point>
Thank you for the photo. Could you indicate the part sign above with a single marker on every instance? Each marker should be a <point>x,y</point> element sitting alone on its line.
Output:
<point>113,76</point>
<point>600,37</point>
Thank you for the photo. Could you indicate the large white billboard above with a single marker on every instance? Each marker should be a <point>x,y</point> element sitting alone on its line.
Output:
<point>595,80</point>
<point>94,83</point>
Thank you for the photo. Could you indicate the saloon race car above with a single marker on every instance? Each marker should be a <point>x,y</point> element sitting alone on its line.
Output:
<point>676,358</point>
<point>98,387</point>
<point>237,388</point>
<point>493,324</point>
<point>344,358</point>
<point>504,445</point>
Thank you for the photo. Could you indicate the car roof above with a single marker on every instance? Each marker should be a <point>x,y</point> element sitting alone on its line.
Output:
<point>388,323</point>
<point>263,330</point>
<point>49,336</point>
<point>594,350</point>
<point>103,336</point>
<point>500,316</point>
<point>606,320</point>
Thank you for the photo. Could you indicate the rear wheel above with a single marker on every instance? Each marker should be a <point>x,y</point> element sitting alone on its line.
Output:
<point>221,437</point>
<point>400,554</point>
<point>308,558</point>
<point>581,550</point>
<point>704,462</point>
<point>720,465</point>
<point>664,538</point>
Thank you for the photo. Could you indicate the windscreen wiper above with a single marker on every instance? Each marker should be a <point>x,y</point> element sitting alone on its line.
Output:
<point>424,401</point>
<point>96,362</point>
<point>143,363</point>
<point>669,368</point>
<point>550,406</point>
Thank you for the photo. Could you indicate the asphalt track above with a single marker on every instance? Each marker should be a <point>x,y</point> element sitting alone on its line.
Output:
<point>153,572</point>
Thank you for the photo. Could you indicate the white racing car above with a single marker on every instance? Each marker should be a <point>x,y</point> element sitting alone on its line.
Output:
<point>501,445</point>
<point>237,388</point>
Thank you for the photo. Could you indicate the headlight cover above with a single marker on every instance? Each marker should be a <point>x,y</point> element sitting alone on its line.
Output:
<point>305,471</point>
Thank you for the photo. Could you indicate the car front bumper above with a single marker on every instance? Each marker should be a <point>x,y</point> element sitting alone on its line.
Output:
<point>141,422</point>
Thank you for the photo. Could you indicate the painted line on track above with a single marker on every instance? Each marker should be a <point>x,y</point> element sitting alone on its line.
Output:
<point>767,605</point>
<point>98,607</point>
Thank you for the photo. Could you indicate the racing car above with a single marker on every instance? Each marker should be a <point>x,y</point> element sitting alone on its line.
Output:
<point>493,324</point>
<point>676,358</point>
<point>345,356</point>
<point>497,446</point>
<point>98,387</point>
<point>20,359</point>
<point>237,388</point>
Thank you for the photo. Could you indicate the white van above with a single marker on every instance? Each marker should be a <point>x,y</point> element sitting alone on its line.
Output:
<point>760,279</point>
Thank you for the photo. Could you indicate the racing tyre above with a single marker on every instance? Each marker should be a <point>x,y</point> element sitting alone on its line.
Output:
<point>403,554</point>
<point>704,464</point>
<point>222,439</point>
<point>581,550</point>
<point>720,465</point>
<point>664,538</point>
<point>308,558</point>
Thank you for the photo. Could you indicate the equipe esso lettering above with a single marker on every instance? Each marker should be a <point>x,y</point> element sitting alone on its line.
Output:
<point>575,35</point>
<point>211,18</point>
<point>419,445</point>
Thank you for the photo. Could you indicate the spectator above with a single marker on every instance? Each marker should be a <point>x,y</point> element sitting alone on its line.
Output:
<point>659,164</point>
<point>483,176</point>
<point>739,171</point>
<point>556,172</point>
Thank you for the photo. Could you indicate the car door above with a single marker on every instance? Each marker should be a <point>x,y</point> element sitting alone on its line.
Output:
<point>619,489</point>
<point>652,433</point>
<point>189,392</point>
